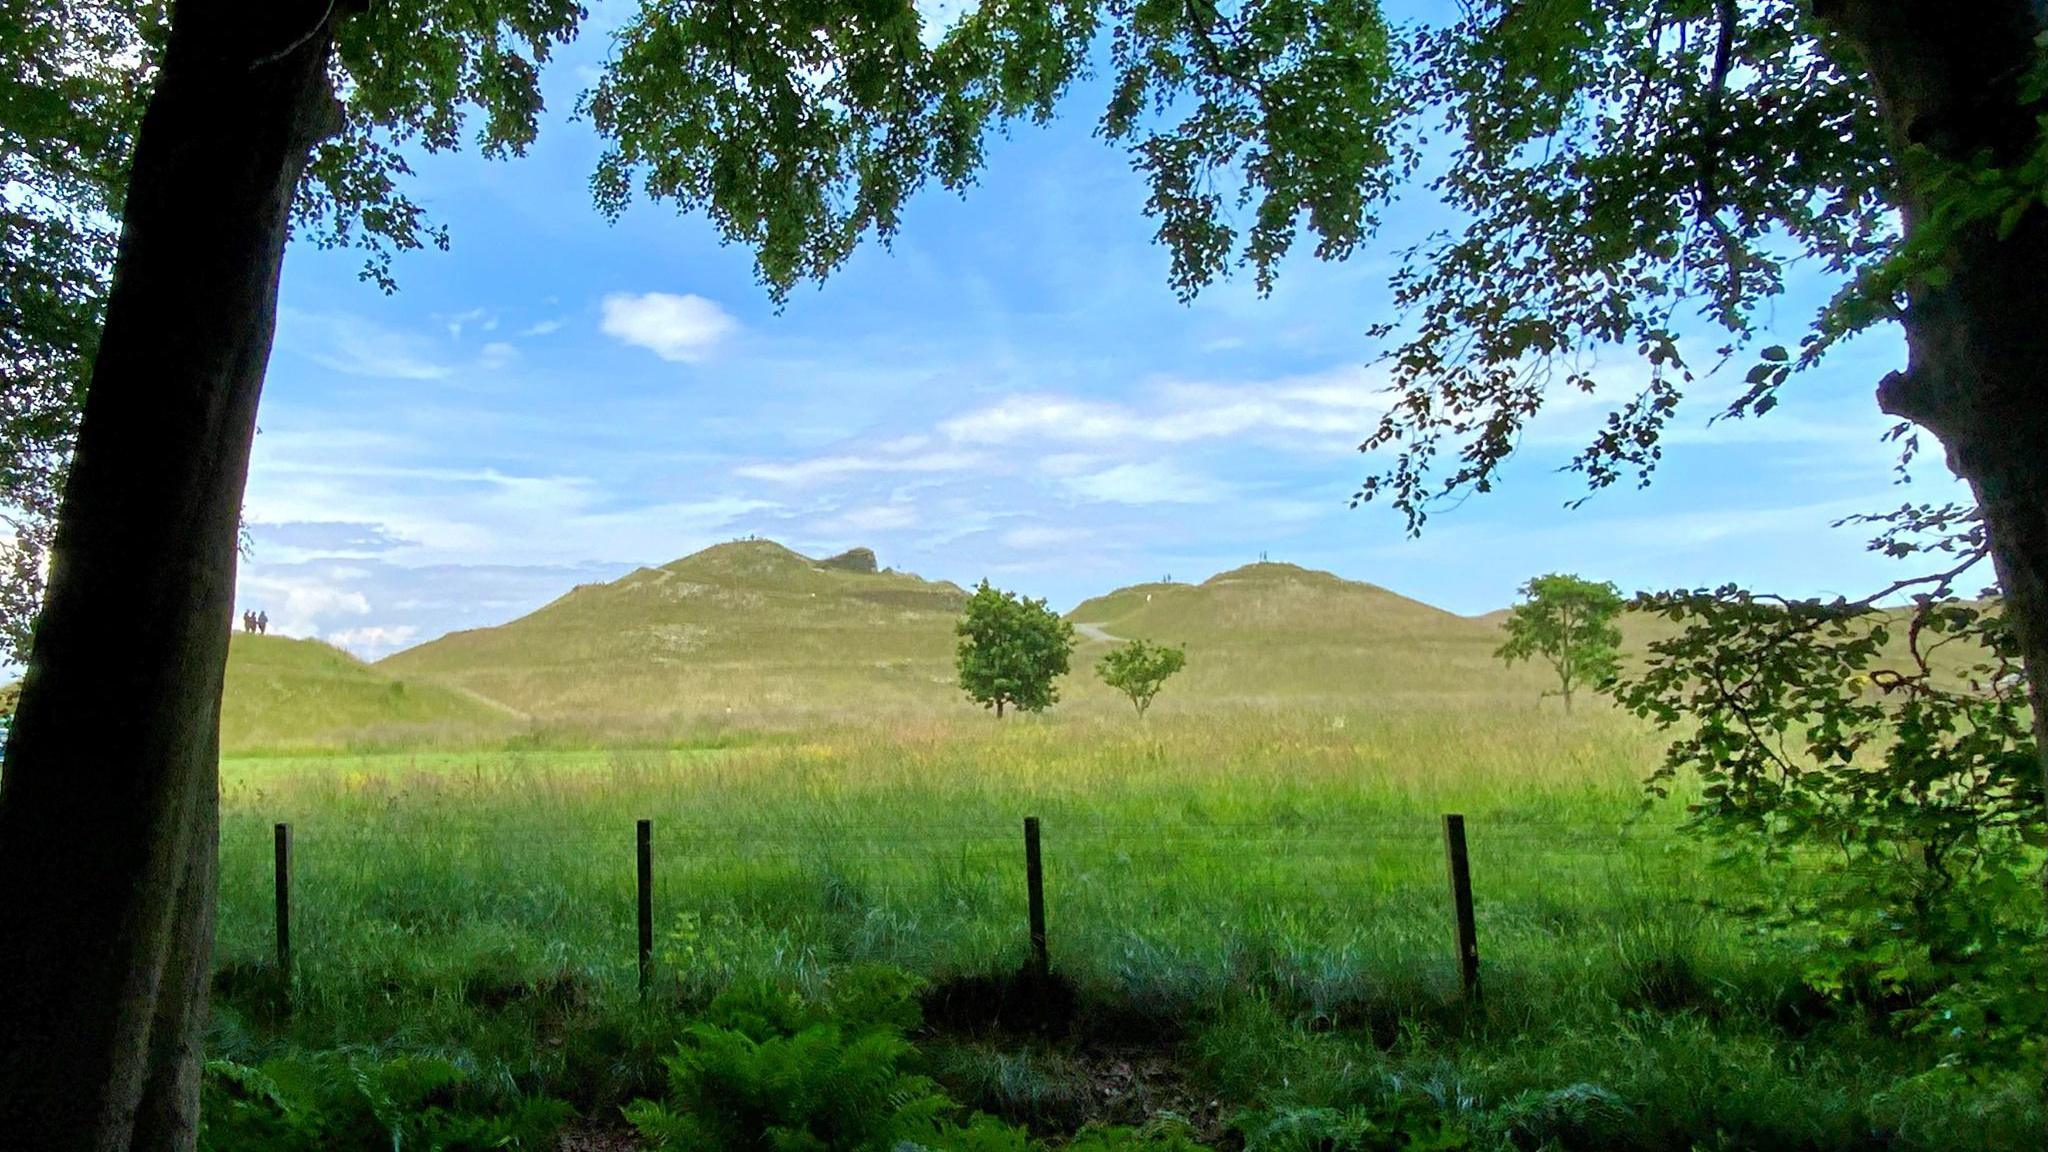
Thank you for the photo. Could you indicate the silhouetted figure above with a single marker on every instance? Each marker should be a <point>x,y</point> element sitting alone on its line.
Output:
<point>263,623</point>
<point>248,621</point>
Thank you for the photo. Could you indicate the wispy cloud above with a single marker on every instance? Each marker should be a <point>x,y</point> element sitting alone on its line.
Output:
<point>821,468</point>
<point>478,317</point>
<point>1340,404</point>
<point>355,346</point>
<point>328,537</point>
<point>1036,537</point>
<point>1151,482</point>
<point>870,519</point>
<point>681,328</point>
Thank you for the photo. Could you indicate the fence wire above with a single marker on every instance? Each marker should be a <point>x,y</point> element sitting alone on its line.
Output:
<point>1317,910</point>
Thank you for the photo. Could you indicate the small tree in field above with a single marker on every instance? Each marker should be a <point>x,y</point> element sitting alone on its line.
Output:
<point>1139,670</point>
<point>1011,650</point>
<point>1568,622</point>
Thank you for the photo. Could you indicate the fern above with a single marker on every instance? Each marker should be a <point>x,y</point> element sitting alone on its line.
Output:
<point>355,1102</point>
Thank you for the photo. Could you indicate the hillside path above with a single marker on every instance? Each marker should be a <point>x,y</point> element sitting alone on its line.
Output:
<point>1096,632</point>
<point>486,701</point>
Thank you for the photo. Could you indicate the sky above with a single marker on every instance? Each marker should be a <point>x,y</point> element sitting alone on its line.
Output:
<point>1011,391</point>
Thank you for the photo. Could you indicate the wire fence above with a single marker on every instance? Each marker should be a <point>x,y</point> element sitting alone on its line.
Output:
<point>1337,901</point>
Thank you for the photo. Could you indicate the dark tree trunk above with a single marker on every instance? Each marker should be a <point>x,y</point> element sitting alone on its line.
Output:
<point>1947,79</point>
<point>108,803</point>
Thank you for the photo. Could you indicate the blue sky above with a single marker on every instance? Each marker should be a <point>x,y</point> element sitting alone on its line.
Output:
<point>1011,392</point>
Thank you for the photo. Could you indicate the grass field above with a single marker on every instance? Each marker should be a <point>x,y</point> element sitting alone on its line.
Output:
<point>1255,903</point>
<point>1248,911</point>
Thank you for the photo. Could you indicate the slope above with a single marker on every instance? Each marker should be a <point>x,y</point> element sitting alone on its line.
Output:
<point>1277,634</point>
<point>748,630</point>
<point>297,695</point>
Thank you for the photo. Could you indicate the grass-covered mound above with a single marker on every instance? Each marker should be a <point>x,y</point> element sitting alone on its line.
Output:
<point>751,634</point>
<point>1282,635</point>
<point>747,633</point>
<point>303,695</point>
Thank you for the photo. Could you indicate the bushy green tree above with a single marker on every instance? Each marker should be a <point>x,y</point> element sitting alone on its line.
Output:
<point>1138,670</point>
<point>1012,650</point>
<point>1568,623</point>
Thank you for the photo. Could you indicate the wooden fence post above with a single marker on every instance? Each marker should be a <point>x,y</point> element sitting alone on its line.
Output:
<point>281,845</point>
<point>645,841</point>
<point>1034,883</point>
<point>1461,901</point>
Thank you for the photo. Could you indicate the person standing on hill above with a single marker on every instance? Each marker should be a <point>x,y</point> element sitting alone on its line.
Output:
<point>263,623</point>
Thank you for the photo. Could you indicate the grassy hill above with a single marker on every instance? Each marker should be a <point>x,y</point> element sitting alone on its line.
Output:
<point>1281,635</point>
<point>751,633</point>
<point>291,695</point>
<point>748,630</point>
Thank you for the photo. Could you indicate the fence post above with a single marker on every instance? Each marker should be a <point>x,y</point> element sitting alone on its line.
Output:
<point>281,844</point>
<point>1461,900</point>
<point>645,841</point>
<point>1034,884</point>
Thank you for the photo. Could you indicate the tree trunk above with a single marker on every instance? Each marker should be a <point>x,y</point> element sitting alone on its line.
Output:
<point>108,803</point>
<point>1977,344</point>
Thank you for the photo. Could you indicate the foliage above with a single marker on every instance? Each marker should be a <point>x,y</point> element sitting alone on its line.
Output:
<point>355,1101</point>
<point>1907,776</point>
<point>1621,170</point>
<point>797,130</point>
<point>771,1072</point>
<point>1161,1134</point>
<point>1402,1129</point>
<point>1138,670</point>
<point>1011,650</point>
<point>1569,622</point>
<point>72,84</point>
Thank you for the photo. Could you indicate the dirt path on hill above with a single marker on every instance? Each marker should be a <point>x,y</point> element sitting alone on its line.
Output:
<point>486,701</point>
<point>1096,632</point>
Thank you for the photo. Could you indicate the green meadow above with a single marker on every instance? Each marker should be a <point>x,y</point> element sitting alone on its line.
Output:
<point>1247,905</point>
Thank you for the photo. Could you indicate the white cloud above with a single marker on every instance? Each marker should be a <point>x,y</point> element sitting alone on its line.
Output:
<point>374,641</point>
<point>1153,482</point>
<point>544,328</point>
<point>297,605</point>
<point>681,328</point>
<point>834,467</point>
<point>1334,410</point>
<point>478,316</point>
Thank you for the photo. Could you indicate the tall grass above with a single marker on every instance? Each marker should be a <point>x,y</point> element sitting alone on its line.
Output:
<point>1267,885</point>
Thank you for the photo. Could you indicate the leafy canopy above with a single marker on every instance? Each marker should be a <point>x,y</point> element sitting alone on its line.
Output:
<point>1894,741</point>
<point>1011,651</point>
<point>1138,670</point>
<point>71,94</point>
<point>1623,174</point>
<point>1568,623</point>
